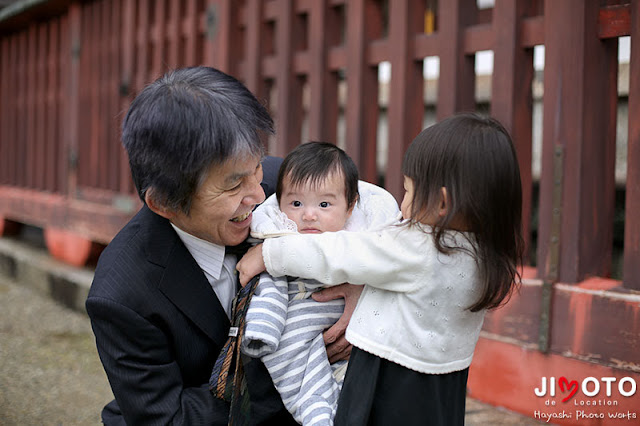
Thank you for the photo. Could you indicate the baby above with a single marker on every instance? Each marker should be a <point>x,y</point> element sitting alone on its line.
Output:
<point>317,191</point>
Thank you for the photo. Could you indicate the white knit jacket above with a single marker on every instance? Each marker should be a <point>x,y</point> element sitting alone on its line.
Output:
<point>413,310</point>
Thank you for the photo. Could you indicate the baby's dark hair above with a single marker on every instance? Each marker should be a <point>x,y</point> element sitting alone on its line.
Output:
<point>313,161</point>
<point>474,159</point>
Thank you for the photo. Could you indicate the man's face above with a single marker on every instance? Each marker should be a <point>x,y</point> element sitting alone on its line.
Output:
<point>316,209</point>
<point>222,206</point>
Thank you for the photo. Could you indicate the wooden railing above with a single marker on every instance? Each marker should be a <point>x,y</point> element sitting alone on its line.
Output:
<point>68,70</point>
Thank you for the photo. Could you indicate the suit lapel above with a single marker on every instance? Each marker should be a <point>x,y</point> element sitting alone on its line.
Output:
<point>184,283</point>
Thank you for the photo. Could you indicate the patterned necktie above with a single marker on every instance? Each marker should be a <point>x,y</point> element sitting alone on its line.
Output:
<point>227,378</point>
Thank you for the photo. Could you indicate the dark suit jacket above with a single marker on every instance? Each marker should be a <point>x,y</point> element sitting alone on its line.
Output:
<point>159,328</point>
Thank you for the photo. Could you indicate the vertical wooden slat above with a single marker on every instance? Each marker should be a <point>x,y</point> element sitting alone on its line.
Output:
<point>512,94</point>
<point>40,106</point>
<point>159,37</point>
<point>21,124</point>
<point>53,105</point>
<point>253,59</point>
<point>141,45</point>
<point>103,103</point>
<point>30,118</point>
<point>289,98</point>
<point>90,164</point>
<point>14,57</point>
<point>112,136</point>
<point>222,33</point>
<point>362,89</point>
<point>323,83</point>
<point>406,104</point>
<point>63,92</point>
<point>174,34</point>
<point>70,125</point>
<point>580,94</point>
<point>86,60</point>
<point>456,82</point>
<point>190,30</point>
<point>631,272</point>
<point>5,108</point>
<point>133,49</point>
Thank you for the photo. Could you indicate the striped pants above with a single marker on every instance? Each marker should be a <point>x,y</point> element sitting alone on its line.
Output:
<point>284,328</point>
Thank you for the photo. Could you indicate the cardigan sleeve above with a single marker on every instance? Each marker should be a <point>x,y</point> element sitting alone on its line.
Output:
<point>392,259</point>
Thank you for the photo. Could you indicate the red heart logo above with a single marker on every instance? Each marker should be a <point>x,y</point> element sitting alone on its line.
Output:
<point>572,387</point>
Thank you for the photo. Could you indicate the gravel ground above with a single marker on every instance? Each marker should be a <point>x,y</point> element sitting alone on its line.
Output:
<point>50,373</point>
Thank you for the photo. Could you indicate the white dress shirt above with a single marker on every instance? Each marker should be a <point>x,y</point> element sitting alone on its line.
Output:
<point>218,267</point>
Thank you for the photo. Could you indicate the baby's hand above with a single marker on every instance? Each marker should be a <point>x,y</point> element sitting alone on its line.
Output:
<point>251,264</point>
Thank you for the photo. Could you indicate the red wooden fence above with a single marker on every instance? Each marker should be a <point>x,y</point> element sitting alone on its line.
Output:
<point>68,70</point>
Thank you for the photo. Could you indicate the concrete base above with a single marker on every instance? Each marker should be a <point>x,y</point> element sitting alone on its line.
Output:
<point>32,266</point>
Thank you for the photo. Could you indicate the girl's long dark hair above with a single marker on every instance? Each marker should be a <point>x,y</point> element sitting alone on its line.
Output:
<point>474,159</point>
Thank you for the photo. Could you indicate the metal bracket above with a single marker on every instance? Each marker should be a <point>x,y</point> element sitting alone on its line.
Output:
<point>553,255</point>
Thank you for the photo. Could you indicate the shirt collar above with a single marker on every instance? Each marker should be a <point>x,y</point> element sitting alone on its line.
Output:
<point>207,255</point>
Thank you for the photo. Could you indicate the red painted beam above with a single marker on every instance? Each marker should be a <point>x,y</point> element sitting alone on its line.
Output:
<point>596,320</point>
<point>507,375</point>
<point>94,221</point>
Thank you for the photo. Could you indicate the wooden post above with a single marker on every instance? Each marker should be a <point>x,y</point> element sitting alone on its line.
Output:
<point>511,92</point>
<point>190,29</point>
<point>362,88</point>
<point>70,124</point>
<point>132,48</point>
<point>631,272</point>
<point>289,97</point>
<point>579,117</point>
<point>30,117</point>
<point>254,47</point>
<point>221,35</point>
<point>406,103</point>
<point>456,82</point>
<point>323,82</point>
<point>159,35</point>
<point>40,107</point>
<point>53,105</point>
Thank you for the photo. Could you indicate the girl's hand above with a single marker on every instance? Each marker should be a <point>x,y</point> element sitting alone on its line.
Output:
<point>337,346</point>
<point>251,264</point>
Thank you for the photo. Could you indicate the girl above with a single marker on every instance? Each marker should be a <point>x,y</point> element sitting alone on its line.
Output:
<point>429,280</point>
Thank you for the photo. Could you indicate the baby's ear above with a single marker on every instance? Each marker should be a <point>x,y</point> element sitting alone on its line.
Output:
<point>353,205</point>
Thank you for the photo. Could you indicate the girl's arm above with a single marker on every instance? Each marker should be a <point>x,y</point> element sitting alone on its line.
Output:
<point>392,259</point>
<point>250,265</point>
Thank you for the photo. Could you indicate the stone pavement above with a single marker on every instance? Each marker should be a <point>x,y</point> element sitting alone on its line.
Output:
<point>50,373</point>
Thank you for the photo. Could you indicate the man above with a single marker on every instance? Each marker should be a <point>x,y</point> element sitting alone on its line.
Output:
<point>161,298</point>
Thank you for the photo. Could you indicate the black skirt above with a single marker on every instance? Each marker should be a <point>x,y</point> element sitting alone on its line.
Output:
<point>380,392</point>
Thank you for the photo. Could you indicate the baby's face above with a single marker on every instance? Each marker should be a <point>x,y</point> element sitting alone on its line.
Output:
<point>316,209</point>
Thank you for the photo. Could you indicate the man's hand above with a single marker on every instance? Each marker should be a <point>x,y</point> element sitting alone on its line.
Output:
<point>337,346</point>
<point>251,264</point>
